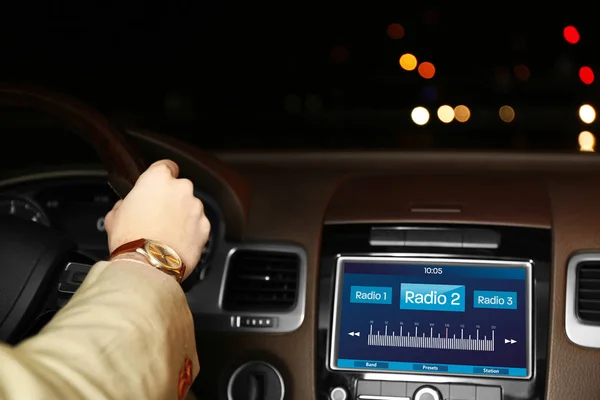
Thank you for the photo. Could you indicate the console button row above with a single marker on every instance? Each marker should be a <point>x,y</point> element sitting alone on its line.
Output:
<point>388,390</point>
<point>253,322</point>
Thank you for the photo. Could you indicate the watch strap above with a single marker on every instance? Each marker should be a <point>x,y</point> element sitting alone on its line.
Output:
<point>129,247</point>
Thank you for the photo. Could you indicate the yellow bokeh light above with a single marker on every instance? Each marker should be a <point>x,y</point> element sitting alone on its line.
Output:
<point>587,141</point>
<point>408,62</point>
<point>507,113</point>
<point>445,114</point>
<point>420,115</point>
<point>587,113</point>
<point>462,113</point>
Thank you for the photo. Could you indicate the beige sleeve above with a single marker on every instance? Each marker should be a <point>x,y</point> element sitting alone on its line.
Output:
<point>125,334</point>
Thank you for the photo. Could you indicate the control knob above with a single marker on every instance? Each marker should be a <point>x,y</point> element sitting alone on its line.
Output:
<point>427,393</point>
<point>338,393</point>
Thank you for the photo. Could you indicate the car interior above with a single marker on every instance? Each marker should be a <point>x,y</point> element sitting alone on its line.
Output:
<point>404,201</point>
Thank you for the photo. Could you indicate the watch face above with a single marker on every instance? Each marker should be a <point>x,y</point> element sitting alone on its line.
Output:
<point>163,255</point>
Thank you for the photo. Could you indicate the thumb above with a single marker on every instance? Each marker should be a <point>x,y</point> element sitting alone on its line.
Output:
<point>110,216</point>
<point>171,165</point>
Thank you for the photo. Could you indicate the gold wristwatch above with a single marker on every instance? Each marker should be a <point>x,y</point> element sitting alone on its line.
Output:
<point>159,255</point>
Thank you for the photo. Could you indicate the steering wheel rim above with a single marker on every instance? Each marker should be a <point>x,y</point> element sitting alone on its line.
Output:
<point>33,255</point>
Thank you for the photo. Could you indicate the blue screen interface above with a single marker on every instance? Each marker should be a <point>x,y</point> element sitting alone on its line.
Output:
<point>433,319</point>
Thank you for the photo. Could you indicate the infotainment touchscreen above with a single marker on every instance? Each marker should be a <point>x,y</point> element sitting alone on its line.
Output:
<point>432,316</point>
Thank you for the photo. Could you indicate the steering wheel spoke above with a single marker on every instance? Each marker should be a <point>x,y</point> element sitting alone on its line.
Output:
<point>72,277</point>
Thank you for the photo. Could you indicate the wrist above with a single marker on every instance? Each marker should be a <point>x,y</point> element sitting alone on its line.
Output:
<point>134,256</point>
<point>154,254</point>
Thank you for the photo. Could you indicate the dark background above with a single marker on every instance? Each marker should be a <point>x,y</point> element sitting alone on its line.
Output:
<point>302,75</point>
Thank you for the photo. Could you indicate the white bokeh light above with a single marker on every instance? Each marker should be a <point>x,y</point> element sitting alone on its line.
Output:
<point>445,114</point>
<point>587,113</point>
<point>420,115</point>
<point>587,141</point>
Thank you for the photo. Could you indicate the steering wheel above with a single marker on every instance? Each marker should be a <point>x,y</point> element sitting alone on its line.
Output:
<point>34,256</point>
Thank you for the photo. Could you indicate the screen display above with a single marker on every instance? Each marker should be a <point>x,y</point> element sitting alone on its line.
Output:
<point>432,316</point>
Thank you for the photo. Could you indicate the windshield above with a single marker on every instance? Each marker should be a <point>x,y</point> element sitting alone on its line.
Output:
<point>298,76</point>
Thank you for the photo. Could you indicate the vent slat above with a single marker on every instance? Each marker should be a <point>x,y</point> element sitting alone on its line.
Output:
<point>588,292</point>
<point>589,305</point>
<point>589,274</point>
<point>261,281</point>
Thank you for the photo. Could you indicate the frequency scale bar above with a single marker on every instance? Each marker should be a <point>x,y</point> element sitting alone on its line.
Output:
<point>420,341</point>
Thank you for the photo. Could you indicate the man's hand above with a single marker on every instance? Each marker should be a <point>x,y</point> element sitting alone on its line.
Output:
<point>163,208</point>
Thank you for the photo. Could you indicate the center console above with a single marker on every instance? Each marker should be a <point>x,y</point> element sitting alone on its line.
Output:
<point>433,312</point>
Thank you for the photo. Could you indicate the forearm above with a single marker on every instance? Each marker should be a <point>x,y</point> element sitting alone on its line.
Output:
<point>124,334</point>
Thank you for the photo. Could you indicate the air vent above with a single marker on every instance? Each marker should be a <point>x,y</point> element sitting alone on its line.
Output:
<point>262,281</point>
<point>582,308</point>
<point>588,292</point>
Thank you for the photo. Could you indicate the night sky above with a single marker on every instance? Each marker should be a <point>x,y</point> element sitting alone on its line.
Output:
<point>299,75</point>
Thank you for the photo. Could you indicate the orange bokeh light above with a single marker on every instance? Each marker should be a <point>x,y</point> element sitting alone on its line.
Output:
<point>426,70</point>
<point>408,62</point>
<point>395,31</point>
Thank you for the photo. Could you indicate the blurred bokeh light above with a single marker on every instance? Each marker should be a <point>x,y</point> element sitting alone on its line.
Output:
<point>293,103</point>
<point>522,72</point>
<point>408,62</point>
<point>587,141</point>
<point>571,34</point>
<point>313,103</point>
<point>429,93</point>
<point>426,70</point>
<point>395,31</point>
<point>507,113</point>
<point>445,114</point>
<point>586,75</point>
<point>420,115</point>
<point>462,113</point>
<point>339,54</point>
<point>587,113</point>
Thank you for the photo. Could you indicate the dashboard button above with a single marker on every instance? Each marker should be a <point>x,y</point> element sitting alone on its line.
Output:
<point>491,371</point>
<point>430,367</point>
<point>254,322</point>
<point>433,238</point>
<point>368,387</point>
<point>427,393</point>
<point>443,389</point>
<point>338,393</point>
<point>371,364</point>
<point>488,393</point>
<point>72,277</point>
<point>393,389</point>
<point>462,392</point>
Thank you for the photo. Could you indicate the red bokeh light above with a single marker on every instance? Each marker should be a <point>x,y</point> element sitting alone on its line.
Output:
<point>395,31</point>
<point>586,75</point>
<point>571,34</point>
<point>339,54</point>
<point>522,72</point>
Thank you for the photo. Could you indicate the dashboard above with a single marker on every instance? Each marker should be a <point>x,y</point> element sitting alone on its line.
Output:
<point>374,275</point>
